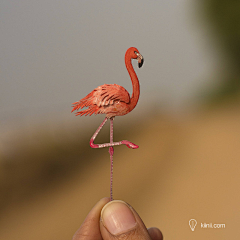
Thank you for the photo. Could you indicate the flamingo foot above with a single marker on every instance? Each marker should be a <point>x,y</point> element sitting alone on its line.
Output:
<point>110,145</point>
<point>130,144</point>
<point>111,151</point>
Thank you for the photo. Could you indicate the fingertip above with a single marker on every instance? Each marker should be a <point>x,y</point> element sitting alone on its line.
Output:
<point>119,220</point>
<point>155,233</point>
<point>117,217</point>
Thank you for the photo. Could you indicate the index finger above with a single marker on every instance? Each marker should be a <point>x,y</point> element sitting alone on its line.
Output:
<point>90,229</point>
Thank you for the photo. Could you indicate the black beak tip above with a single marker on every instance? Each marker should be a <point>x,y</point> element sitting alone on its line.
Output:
<point>140,63</point>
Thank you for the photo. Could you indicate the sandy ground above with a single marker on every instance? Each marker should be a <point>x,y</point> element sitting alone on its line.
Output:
<point>183,169</point>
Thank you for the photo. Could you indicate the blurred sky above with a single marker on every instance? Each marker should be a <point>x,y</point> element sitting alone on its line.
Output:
<point>55,52</point>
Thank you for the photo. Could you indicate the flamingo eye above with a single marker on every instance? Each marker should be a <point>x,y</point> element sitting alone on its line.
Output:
<point>137,54</point>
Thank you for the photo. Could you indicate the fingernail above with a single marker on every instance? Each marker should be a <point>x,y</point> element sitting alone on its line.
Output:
<point>117,217</point>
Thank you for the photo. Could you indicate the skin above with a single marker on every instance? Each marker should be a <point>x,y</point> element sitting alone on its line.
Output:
<point>95,227</point>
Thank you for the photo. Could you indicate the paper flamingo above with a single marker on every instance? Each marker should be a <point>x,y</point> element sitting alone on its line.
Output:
<point>112,100</point>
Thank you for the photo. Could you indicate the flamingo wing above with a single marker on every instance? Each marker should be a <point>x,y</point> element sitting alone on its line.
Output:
<point>100,98</point>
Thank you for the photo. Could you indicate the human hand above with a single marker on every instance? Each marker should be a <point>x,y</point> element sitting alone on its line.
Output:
<point>114,220</point>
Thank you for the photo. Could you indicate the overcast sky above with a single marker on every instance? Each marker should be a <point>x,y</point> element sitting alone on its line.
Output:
<point>55,52</point>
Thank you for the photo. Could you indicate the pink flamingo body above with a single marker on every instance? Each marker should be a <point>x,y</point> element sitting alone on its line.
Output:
<point>112,100</point>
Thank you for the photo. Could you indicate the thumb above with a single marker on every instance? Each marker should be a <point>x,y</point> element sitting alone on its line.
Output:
<point>120,221</point>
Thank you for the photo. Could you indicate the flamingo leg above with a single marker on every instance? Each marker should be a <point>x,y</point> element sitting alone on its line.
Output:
<point>111,144</point>
<point>96,133</point>
<point>111,151</point>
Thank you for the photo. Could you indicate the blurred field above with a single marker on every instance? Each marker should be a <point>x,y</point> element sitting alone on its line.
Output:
<point>185,168</point>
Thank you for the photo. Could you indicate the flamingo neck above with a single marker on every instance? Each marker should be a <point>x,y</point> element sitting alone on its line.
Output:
<point>135,83</point>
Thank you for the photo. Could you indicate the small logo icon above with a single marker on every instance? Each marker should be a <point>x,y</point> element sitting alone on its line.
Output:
<point>192,224</point>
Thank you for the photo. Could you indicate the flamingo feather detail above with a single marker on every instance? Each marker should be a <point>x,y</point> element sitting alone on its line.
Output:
<point>104,99</point>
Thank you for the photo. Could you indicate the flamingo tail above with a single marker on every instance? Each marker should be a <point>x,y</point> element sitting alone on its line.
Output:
<point>85,102</point>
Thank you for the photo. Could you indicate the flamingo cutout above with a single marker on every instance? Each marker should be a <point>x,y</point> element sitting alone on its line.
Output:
<point>112,100</point>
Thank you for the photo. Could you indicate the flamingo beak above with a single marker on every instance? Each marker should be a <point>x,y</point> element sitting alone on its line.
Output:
<point>140,59</point>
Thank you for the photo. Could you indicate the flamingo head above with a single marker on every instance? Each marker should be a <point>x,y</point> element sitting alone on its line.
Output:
<point>133,53</point>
